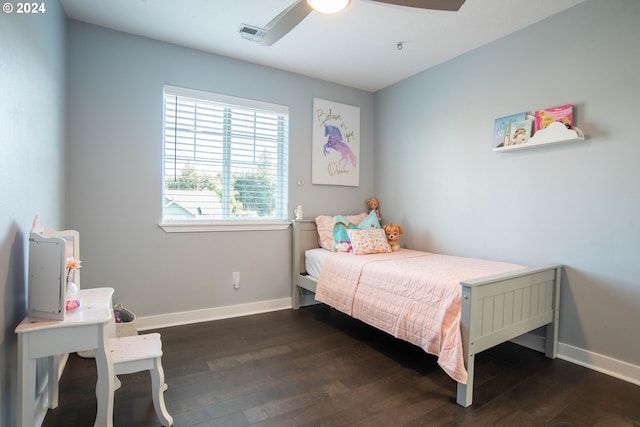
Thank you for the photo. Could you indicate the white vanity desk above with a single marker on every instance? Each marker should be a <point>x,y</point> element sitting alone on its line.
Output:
<point>89,327</point>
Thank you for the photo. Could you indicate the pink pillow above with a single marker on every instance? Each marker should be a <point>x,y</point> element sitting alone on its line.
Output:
<point>324,224</point>
<point>369,241</point>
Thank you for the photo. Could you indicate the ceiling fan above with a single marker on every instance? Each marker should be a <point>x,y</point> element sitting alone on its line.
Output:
<point>294,14</point>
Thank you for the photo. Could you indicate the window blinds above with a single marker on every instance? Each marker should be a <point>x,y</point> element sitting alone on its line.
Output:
<point>225,158</point>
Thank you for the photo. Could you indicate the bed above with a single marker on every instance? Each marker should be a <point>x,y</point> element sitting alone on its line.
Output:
<point>490,309</point>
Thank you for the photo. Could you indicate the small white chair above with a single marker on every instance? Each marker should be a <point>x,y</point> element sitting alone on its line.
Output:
<point>141,353</point>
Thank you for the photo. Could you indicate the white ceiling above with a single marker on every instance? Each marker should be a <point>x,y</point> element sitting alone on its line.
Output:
<point>356,47</point>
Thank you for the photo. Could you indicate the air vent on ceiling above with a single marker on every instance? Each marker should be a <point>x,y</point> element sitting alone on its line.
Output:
<point>254,34</point>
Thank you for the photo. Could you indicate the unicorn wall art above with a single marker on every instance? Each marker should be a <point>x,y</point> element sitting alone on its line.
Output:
<point>336,143</point>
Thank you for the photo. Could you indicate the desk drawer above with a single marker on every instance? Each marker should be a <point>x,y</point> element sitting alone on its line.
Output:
<point>62,340</point>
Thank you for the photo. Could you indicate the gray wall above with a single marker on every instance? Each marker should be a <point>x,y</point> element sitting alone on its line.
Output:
<point>115,129</point>
<point>576,204</point>
<point>32,146</point>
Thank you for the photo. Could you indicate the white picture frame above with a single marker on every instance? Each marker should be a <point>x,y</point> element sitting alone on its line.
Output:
<point>335,158</point>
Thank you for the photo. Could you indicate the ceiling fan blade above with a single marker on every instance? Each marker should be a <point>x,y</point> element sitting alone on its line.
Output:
<point>451,5</point>
<point>285,22</point>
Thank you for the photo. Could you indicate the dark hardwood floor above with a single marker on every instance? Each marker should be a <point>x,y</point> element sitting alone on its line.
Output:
<point>317,367</point>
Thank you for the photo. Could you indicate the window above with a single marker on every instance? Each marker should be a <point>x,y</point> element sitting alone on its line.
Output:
<point>225,159</point>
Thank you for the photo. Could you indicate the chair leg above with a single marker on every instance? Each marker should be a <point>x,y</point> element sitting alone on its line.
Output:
<point>158,386</point>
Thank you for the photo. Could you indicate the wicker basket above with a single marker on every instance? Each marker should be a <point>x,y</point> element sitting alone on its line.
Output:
<point>125,322</point>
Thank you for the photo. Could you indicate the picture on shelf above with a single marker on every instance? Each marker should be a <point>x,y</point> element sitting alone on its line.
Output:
<point>501,128</point>
<point>519,132</point>
<point>561,113</point>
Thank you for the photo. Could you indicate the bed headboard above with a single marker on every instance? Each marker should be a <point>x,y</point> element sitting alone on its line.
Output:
<point>305,236</point>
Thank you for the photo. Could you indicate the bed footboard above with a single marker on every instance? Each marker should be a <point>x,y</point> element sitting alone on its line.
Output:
<point>498,308</point>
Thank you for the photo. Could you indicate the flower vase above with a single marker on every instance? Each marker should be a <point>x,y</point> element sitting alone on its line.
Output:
<point>72,301</point>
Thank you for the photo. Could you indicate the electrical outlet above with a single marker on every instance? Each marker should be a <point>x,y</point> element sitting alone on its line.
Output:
<point>236,279</point>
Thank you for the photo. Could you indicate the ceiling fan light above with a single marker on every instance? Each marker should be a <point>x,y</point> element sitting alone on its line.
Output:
<point>328,6</point>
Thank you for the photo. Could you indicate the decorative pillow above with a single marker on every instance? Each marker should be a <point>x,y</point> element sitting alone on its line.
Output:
<point>369,241</point>
<point>341,240</point>
<point>371,221</point>
<point>340,237</point>
<point>324,224</point>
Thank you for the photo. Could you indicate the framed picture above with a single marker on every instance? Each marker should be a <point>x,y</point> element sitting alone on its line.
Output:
<point>335,158</point>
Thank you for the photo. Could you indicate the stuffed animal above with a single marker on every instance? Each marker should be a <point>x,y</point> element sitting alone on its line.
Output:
<point>374,205</point>
<point>393,232</point>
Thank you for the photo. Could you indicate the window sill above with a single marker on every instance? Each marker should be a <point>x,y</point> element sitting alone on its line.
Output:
<point>200,227</point>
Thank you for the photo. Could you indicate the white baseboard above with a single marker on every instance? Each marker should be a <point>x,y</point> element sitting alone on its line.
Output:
<point>601,363</point>
<point>215,313</point>
<point>598,362</point>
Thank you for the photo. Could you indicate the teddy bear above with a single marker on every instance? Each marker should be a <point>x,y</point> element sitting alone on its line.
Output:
<point>393,232</point>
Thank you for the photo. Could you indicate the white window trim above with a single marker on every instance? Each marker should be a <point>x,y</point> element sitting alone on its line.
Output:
<point>196,227</point>
<point>229,225</point>
<point>224,99</point>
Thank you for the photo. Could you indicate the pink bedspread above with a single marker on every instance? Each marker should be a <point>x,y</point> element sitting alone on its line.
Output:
<point>412,295</point>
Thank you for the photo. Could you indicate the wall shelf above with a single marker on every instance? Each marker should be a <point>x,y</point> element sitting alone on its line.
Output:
<point>555,133</point>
